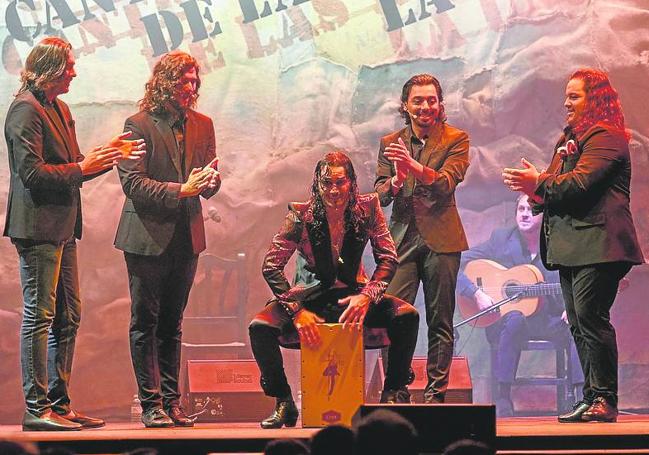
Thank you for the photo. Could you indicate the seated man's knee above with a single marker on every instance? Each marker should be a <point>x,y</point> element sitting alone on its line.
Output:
<point>410,315</point>
<point>514,321</point>
<point>403,310</point>
<point>258,328</point>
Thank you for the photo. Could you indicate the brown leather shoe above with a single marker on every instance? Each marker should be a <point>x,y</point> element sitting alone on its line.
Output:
<point>84,420</point>
<point>179,417</point>
<point>48,421</point>
<point>600,411</point>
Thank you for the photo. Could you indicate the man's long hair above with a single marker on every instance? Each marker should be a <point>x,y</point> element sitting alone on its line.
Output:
<point>602,102</point>
<point>46,63</point>
<point>160,89</point>
<point>317,210</point>
<point>422,79</point>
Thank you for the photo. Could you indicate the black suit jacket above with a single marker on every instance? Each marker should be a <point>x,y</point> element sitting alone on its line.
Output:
<point>44,203</point>
<point>152,185</point>
<point>586,203</point>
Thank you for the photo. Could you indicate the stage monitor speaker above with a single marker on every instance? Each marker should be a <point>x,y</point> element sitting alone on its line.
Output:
<point>438,425</point>
<point>226,391</point>
<point>459,389</point>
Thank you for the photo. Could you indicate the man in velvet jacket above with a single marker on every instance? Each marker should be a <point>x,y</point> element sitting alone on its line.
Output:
<point>161,228</point>
<point>418,169</point>
<point>330,232</point>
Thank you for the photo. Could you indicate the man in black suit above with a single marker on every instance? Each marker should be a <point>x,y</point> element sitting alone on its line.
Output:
<point>161,228</point>
<point>43,222</point>
<point>588,232</point>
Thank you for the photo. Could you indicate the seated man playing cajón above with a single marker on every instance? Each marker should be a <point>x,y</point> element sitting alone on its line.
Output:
<point>330,232</point>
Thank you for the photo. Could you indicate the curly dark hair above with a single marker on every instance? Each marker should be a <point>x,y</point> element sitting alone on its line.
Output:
<point>422,79</point>
<point>160,89</point>
<point>317,213</point>
<point>602,102</point>
<point>45,64</point>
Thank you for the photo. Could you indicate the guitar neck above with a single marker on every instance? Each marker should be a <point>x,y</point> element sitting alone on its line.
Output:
<point>536,290</point>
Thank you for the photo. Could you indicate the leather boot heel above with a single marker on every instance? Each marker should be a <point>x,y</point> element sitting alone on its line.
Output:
<point>290,423</point>
<point>285,414</point>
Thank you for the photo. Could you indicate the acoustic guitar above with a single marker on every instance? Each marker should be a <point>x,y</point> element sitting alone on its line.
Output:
<point>500,283</point>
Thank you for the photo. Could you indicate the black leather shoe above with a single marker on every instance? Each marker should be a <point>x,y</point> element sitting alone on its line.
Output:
<point>576,414</point>
<point>156,418</point>
<point>285,414</point>
<point>395,396</point>
<point>600,411</point>
<point>49,421</point>
<point>180,419</point>
<point>83,420</point>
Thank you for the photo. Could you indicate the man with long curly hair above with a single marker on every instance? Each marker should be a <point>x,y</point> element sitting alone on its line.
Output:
<point>329,232</point>
<point>161,229</point>
<point>588,232</point>
<point>44,221</point>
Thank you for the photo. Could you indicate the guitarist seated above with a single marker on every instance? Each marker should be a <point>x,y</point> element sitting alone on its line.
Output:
<point>512,247</point>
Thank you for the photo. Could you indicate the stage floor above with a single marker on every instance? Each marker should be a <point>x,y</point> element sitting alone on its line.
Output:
<point>518,435</point>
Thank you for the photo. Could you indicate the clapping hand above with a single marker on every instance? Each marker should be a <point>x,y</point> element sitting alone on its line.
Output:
<point>130,149</point>
<point>398,153</point>
<point>199,179</point>
<point>214,176</point>
<point>523,180</point>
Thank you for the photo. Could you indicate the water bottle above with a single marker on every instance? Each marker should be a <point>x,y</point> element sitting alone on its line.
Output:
<point>298,404</point>
<point>136,409</point>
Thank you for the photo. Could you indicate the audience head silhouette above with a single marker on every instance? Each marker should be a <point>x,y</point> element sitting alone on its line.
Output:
<point>385,432</point>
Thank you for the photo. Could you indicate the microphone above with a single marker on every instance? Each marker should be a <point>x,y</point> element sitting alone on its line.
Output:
<point>212,214</point>
<point>410,113</point>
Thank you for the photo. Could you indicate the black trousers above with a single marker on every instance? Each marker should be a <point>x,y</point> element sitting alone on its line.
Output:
<point>589,292</point>
<point>400,319</point>
<point>159,287</point>
<point>513,330</point>
<point>438,275</point>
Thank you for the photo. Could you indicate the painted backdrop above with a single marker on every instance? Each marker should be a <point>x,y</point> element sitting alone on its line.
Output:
<point>287,80</point>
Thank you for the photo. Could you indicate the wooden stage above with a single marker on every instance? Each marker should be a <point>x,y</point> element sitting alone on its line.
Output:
<point>518,435</point>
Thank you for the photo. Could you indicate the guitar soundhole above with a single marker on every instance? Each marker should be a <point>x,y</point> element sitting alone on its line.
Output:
<point>512,288</point>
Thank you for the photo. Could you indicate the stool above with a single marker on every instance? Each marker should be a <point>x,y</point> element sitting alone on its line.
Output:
<point>210,329</point>
<point>562,379</point>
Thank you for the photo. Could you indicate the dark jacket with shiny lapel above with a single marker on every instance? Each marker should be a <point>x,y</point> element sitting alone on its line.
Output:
<point>586,209</point>
<point>433,206</point>
<point>44,202</point>
<point>299,233</point>
<point>152,185</point>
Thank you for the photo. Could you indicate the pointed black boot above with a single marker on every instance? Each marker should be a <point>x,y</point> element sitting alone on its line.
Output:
<point>285,414</point>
